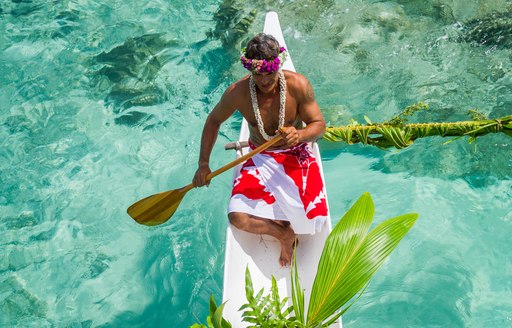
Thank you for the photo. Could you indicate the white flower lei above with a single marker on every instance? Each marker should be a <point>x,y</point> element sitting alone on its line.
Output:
<point>282,104</point>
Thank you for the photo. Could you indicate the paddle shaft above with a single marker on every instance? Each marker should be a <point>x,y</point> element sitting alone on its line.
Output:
<point>237,161</point>
<point>158,208</point>
<point>243,158</point>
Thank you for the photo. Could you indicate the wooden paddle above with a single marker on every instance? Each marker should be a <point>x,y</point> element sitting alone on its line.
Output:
<point>158,208</point>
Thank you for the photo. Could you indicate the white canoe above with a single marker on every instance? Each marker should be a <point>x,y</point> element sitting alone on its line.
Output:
<point>261,252</point>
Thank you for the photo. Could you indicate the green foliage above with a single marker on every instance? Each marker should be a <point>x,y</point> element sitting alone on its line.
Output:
<point>400,138</point>
<point>362,134</point>
<point>266,311</point>
<point>402,118</point>
<point>350,258</point>
<point>215,319</point>
<point>297,292</point>
<point>476,115</point>
<point>395,133</point>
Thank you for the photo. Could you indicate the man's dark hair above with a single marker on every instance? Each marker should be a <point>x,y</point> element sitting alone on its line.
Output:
<point>262,46</point>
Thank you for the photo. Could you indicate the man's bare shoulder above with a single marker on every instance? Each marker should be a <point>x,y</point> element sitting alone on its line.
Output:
<point>297,84</point>
<point>237,89</point>
<point>234,94</point>
<point>294,76</point>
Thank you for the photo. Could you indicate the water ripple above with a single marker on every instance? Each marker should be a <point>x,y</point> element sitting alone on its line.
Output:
<point>103,104</point>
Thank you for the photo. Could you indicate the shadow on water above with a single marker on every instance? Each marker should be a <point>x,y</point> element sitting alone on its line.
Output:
<point>67,20</point>
<point>481,164</point>
<point>19,303</point>
<point>233,20</point>
<point>493,30</point>
<point>407,304</point>
<point>487,26</point>
<point>20,8</point>
<point>129,72</point>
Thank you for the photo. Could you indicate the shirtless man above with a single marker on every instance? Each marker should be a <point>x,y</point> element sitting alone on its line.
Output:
<point>281,106</point>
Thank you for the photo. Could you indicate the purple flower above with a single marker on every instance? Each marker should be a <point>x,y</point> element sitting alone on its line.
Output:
<point>261,65</point>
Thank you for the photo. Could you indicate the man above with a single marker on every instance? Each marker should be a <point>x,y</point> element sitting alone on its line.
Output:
<point>280,191</point>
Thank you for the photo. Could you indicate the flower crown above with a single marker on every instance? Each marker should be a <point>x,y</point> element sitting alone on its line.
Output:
<point>263,65</point>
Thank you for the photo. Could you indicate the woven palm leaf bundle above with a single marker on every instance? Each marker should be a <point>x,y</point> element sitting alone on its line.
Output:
<point>396,133</point>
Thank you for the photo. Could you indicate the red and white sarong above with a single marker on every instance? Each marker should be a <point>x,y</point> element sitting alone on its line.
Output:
<point>282,185</point>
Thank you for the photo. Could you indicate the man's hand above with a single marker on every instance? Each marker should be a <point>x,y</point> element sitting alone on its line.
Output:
<point>200,176</point>
<point>291,136</point>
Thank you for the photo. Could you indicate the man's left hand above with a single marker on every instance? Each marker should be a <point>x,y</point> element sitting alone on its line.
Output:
<point>290,135</point>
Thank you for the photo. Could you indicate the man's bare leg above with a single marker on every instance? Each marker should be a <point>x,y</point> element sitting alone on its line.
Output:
<point>280,230</point>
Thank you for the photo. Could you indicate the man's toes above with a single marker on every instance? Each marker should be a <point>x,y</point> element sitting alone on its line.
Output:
<point>284,262</point>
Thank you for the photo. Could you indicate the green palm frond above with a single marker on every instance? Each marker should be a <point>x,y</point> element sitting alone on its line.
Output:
<point>350,258</point>
<point>386,135</point>
<point>297,291</point>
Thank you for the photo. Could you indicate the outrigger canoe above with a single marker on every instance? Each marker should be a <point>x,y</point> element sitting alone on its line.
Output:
<point>260,253</point>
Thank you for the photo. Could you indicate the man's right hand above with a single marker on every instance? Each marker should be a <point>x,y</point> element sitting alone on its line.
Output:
<point>200,176</point>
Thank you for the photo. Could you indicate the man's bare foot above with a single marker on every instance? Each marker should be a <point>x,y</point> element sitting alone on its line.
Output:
<point>288,243</point>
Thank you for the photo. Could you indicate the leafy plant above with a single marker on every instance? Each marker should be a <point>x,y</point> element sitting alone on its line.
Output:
<point>350,257</point>
<point>215,319</point>
<point>267,311</point>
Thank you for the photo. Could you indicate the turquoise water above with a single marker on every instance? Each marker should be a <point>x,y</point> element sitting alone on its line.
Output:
<point>103,103</point>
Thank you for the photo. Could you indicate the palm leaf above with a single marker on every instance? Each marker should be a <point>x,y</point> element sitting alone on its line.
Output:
<point>297,291</point>
<point>346,237</point>
<point>351,256</point>
<point>362,135</point>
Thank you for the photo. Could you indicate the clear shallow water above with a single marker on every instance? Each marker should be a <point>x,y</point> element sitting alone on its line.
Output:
<point>103,103</point>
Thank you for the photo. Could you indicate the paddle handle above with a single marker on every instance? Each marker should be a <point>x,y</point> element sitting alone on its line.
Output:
<point>244,158</point>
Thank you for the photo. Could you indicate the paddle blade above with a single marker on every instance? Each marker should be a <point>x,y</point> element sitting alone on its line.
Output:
<point>157,209</point>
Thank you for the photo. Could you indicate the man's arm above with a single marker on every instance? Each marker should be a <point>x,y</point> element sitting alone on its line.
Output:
<point>220,113</point>
<point>309,113</point>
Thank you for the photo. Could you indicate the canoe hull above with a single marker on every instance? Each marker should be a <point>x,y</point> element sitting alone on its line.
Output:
<point>260,253</point>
